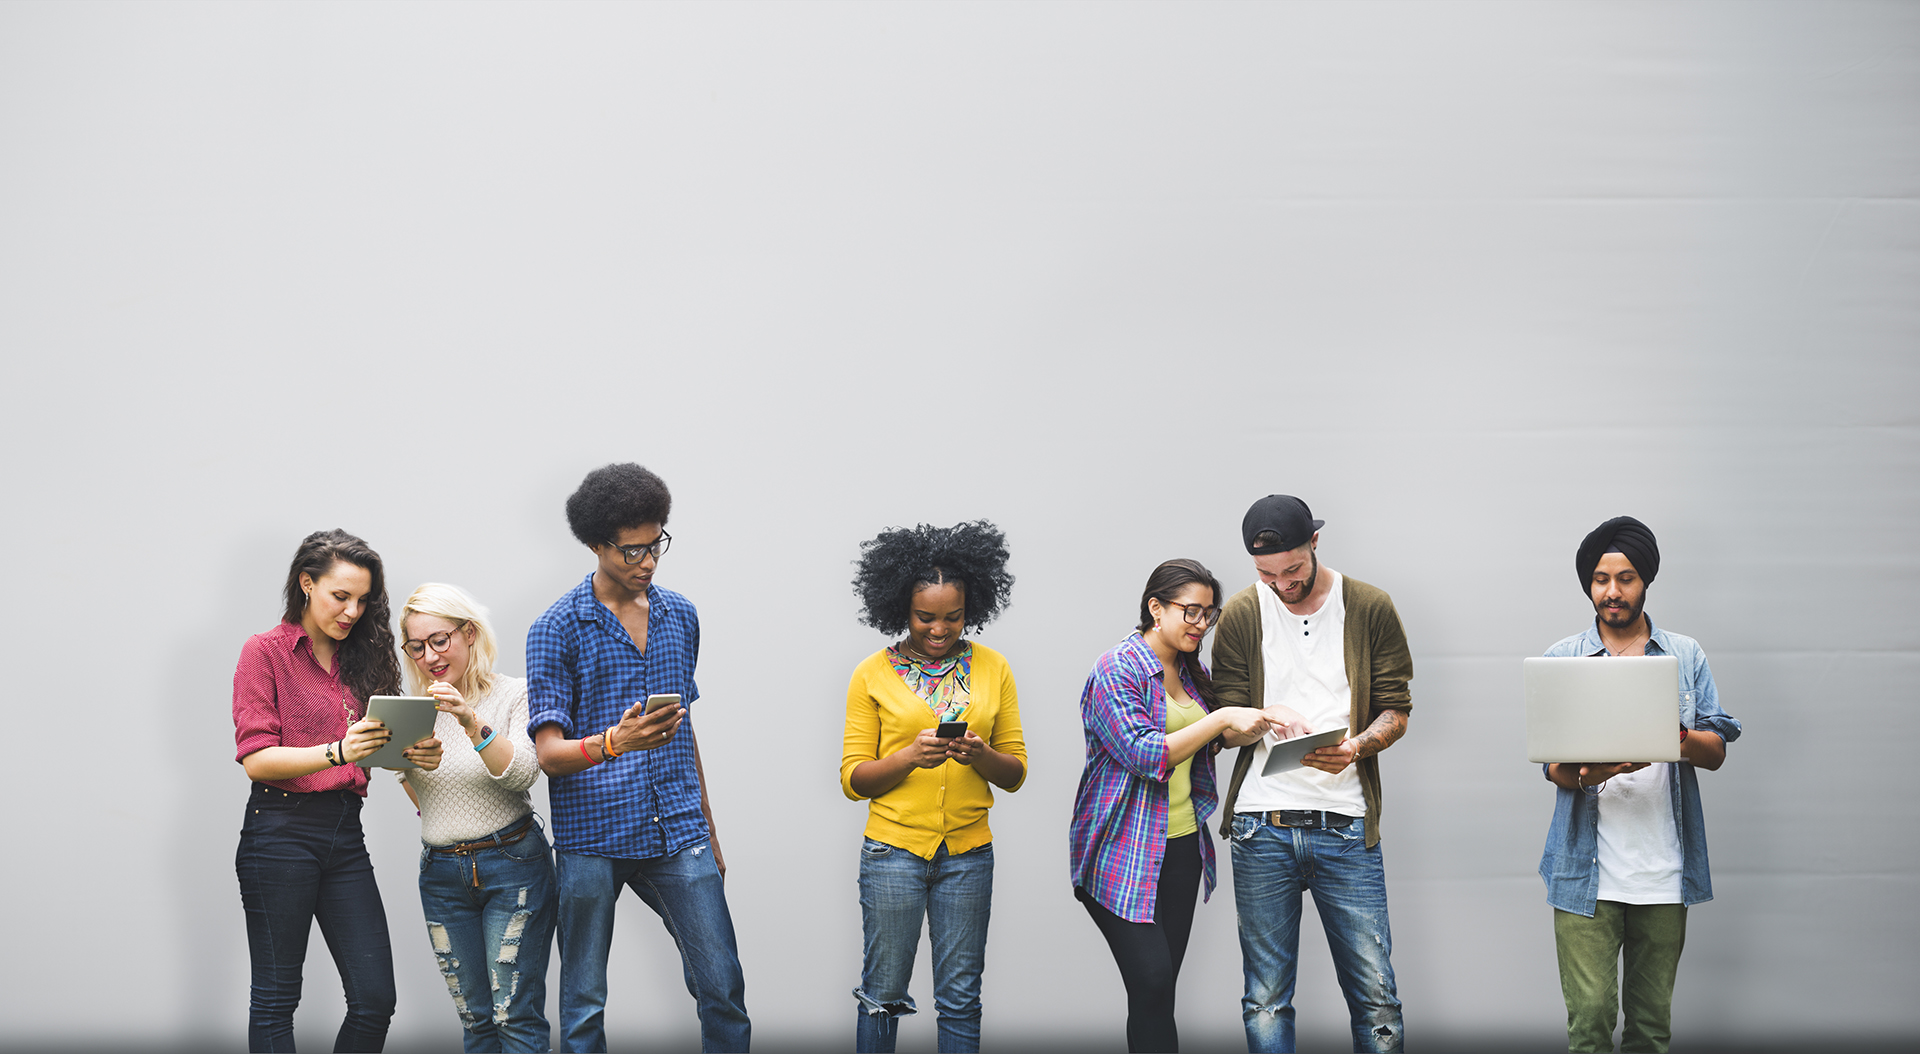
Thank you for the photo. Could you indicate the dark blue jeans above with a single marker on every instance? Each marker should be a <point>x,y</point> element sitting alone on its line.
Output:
<point>685,890</point>
<point>490,921</point>
<point>303,857</point>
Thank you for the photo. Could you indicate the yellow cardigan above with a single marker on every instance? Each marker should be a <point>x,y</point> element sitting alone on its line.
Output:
<point>946,804</point>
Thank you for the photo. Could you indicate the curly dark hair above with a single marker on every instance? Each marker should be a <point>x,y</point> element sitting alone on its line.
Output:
<point>899,560</point>
<point>1163,585</point>
<point>369,661</point>
<point>613,498</point>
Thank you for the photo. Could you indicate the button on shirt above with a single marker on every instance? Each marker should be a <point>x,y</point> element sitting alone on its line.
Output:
<point>282,698</point>
<point>583,672</point>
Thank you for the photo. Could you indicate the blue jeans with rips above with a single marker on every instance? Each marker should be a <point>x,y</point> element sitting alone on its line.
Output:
<point>955,895</point>
<point>685,890</point>
<point>490,921</point>
<point>303,858</point>
<point>1272,866</point>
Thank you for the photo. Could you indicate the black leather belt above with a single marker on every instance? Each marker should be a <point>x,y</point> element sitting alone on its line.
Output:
<point>1307,818</point>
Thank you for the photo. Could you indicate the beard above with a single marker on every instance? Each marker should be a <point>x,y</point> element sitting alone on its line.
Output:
<point>1306,588</point>
<point>1621,617</point>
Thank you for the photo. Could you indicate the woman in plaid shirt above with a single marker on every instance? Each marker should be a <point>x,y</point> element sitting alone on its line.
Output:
<point>1139,838</point>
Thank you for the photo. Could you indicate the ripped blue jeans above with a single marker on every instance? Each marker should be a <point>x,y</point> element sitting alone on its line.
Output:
<point>491,941</point>
<point>954,894</point>
<point>1272,866</point>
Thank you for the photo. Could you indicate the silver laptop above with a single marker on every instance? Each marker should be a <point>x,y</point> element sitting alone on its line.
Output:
<point>1583,708</point>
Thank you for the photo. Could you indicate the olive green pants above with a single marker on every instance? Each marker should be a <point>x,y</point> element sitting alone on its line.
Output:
<point>1599,983</point>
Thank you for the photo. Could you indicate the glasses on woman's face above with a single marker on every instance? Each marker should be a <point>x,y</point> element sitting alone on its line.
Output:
<point>1195,614</point>
<point>439,642</point>
<point>636,553</point>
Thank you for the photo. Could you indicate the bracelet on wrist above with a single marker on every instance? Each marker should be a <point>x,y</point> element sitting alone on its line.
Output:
<point>487,732</point>
<point>583,751</point>
<point>606,745</point>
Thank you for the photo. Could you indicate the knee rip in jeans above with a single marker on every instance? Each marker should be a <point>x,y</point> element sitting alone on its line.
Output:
<point>449,967</point>
<point>501,1003</point>
<point>873,1009</point>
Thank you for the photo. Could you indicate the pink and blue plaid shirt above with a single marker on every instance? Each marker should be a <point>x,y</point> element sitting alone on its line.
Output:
<point>1119,833</point>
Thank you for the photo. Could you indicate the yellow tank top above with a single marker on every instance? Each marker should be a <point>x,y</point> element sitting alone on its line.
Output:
<point>1180,819</point>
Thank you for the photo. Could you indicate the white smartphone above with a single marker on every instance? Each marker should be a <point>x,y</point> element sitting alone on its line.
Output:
<point>655,702</point>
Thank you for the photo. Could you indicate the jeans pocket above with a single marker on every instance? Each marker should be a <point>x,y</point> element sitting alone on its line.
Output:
<point>1244,827</point>
<point>528,849</point>
<point>875,850</point>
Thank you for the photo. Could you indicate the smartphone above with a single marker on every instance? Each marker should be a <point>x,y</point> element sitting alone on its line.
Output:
<point>655,702</point>
<point>951,729</point>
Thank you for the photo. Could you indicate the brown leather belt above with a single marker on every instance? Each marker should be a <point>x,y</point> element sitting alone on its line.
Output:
<point>467,849</point>
<point>1307,818</point>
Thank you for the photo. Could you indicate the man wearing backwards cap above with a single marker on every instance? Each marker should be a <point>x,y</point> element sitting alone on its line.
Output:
<point>1318,651</point>
<point>1627,852</point>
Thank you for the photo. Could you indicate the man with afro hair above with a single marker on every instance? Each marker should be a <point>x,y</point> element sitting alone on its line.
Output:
<point>629,796</point>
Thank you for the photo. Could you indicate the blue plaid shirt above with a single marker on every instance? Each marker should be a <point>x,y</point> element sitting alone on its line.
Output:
<point>582,673</point>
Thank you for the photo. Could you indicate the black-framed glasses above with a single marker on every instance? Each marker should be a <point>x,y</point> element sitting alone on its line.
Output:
<point>636,553</point>
<point>439,642</point>
<point>1195,614</point>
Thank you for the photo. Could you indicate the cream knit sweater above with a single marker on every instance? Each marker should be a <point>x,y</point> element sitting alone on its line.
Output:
<point>461,801</point>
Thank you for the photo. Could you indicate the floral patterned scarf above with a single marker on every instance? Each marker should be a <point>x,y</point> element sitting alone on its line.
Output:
<point>943,684</point>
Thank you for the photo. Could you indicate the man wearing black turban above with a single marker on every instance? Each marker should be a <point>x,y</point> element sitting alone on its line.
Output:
<point>1627,852</point>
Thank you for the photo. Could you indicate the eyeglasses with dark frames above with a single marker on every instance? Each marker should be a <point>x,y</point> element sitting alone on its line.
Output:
<point>636,553</point>
<point>439,642</point>
<point>1195,614</point>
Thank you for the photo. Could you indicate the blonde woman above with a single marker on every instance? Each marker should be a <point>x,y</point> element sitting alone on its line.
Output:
<point>486,874</point>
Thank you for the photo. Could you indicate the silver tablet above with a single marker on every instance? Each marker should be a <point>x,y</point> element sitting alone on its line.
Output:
<point>410,718</point>
<point>1285,755</point>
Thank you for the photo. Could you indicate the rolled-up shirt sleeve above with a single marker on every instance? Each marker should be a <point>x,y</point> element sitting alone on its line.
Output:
<point>256,705</point>
<point>1117,710</point>
<point>550,678</point>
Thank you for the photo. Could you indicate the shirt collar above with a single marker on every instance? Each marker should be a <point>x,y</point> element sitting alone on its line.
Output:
<point>1590,643</point>
<point>287,636</point>
<point>588,608</point>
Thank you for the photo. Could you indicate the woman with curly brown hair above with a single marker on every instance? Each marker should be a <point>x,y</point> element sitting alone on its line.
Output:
<point>928,853</point>
<point>299,722</point>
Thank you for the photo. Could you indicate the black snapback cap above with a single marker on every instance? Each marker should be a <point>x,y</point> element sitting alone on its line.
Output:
<point>1284,515</point>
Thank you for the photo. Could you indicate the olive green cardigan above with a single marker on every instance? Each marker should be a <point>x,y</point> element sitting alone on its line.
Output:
<point>1378,667</point>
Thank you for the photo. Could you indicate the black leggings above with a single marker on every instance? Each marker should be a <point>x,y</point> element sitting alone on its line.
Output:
<point>1149,953</point>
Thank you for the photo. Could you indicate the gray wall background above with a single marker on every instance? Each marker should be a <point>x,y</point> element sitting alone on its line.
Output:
<point>1470,278</point>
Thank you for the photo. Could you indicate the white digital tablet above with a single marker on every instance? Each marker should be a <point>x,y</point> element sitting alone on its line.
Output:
<point>1285,755</point>
<point>410,718</point>
<point>1583,708</point>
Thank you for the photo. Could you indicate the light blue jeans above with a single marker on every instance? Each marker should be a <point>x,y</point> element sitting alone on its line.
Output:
<point>1272,866</point>
<point>492,939</point>
<point>955,895</point>
<point>685,890</point>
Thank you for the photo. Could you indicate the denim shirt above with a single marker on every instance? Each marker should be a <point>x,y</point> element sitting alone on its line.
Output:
<point>1571,863</point>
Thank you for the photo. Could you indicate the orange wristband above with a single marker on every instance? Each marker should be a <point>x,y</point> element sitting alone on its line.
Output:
<point>606,745</point>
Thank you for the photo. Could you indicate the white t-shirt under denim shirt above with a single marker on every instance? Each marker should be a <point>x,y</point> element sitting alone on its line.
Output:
<point>1639,845</point>
<point>1305,660</point>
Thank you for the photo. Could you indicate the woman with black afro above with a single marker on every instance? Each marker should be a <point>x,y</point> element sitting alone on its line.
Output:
<point>933,724</point>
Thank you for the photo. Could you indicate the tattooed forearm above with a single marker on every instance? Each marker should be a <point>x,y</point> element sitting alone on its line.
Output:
<point>1388,727</point>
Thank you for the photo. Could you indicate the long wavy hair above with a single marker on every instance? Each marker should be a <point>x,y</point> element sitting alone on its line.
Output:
<point>1163,585</point>
<point>457,606</point>
<point>368,661</point>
